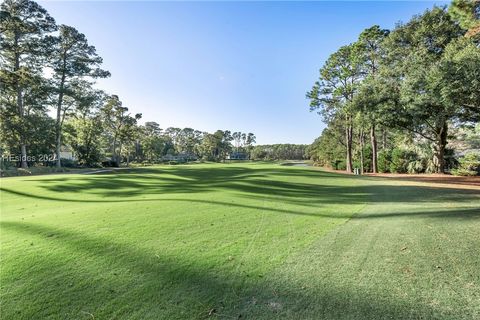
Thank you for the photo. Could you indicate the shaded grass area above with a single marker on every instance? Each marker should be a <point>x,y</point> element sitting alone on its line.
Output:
<point>414,260</point>
<point>255,241</point>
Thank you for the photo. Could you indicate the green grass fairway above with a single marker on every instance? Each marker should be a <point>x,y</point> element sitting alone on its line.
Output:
<point>230,241</point>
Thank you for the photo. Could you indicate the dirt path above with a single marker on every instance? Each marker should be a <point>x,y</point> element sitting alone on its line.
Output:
<point>436,180</point>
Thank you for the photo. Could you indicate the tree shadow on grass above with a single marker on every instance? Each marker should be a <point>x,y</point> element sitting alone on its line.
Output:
<point>319,188</point>
<point>107,279</point>
<point>464,213</point>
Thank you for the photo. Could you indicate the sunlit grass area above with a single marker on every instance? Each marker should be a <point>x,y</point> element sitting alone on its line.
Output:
<point>254,241</point>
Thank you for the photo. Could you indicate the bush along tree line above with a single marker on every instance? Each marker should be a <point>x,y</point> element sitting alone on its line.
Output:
<point>280,152</point>
<point>404,100</point>
<point>47,67</point>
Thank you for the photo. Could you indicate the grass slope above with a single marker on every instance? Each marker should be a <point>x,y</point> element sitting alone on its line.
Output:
<point>240,240</point>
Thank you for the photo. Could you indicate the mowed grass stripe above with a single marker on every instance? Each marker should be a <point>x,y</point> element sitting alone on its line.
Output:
<point>258,241</point>
<point>412,254</point>
<point>166,242</point>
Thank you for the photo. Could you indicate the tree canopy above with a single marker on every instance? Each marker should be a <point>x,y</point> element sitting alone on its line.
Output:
<point>418,81</point>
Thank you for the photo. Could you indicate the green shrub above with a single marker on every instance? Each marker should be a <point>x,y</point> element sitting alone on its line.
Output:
<point>384,159</point>
<point>416,166</point>
<point>23,172</point>
<point>420,158</point>
<point>339,165</point>
<point>5,164</point>
<point>400,160</point>
<point>469,165</point>
<point>356,164</point>
<point>419,164</point>
<point>463,172</point>
<point>68,163</point>
<point>450,160</point>
<point>367,159</point>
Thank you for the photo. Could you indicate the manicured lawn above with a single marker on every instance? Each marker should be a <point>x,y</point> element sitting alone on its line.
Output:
<point>229,241</point>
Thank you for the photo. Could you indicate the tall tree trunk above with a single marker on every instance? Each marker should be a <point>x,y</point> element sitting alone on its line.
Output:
<point>384,138</point>
<point>349,138</point>
<point>58,147</point>
<point>373,141</point>
<point>441,143</point>
<point>114,150</point>
<point>23,154</point>
<point>58,131</point>
<point>119,154</point>
<point>59,111</point>
<point>362,147</point>
<point>137,150</point>
<point>23,146</point>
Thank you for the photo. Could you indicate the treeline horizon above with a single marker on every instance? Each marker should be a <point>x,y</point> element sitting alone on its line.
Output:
<point>393,101</point>
<point>49,67</point>
<point>411,91</point>
<point>280,151</point>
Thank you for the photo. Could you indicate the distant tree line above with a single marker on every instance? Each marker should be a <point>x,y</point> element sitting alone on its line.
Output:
<point>280,152</point>
<point>153,143</point>
<point>398,100</point>
<point>45,67</point>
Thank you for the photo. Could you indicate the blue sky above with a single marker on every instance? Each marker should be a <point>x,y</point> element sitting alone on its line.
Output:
<point>241,66</point>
